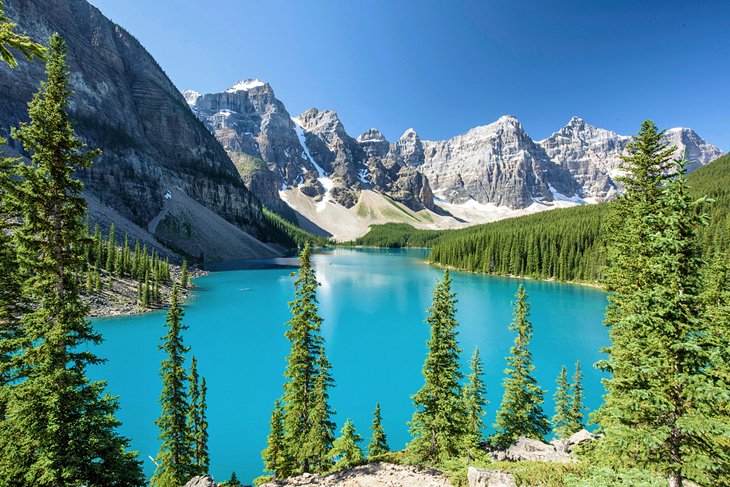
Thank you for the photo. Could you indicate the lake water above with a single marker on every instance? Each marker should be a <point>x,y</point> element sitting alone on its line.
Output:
<point>373,303</point>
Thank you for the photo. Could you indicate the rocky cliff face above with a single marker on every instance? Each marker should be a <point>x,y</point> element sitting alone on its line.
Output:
<point>312,152</point>
<point>125,104</point>
<point>496,163</point>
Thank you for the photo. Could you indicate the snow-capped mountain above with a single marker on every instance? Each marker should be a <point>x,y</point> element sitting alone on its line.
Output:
<point>491,167</point>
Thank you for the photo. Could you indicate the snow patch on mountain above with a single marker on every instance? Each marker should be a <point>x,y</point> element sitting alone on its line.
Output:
<point>245,85</point>
<point>325,181</point>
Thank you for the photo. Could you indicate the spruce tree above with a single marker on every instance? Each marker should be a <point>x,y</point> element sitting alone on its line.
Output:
<point>303,391</point>
<point>345,451</point>
<point>321,432</point>
<point>197,421</point>
<point>562,419</point>
<point>576,421</point>
<point>176,457</point>
<point>274,455</point>
<point>438,424</point>
<point>378,442</point>
<point>184,274</point>
<point>659,358</point>
<point>59,428</point>
<point>233,481</point>
<point>9,39</point>
<point>520,413</point>
<point>110,250</point>
<point>474,402</point>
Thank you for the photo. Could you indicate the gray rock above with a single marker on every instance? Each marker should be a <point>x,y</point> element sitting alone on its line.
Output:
<point>528,449</point>
<point>580,437</point>
<point>201,481</point>
<point>481,477</point>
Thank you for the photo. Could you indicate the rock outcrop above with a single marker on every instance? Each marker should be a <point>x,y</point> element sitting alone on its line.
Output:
<point>201,481</point>
<point>527,449</point>
<point>370,475</point>
<point>485,477</point>
<point>124,104</point>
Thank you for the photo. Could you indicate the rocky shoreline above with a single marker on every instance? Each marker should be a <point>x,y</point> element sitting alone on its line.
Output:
<point>119,296</point>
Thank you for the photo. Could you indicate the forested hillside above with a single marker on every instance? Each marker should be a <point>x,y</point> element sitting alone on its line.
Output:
<point>564,244</point>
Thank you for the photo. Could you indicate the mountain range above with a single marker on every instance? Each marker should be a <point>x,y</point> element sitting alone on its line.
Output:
<point>310,164</point>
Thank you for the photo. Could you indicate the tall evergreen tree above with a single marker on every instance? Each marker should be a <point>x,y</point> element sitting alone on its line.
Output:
<point>577,408</point>
<point>321,432</point>
<point>378,441</point>
<point>562,419</point>
<point>438,423</point>
<point>197,423</point>
<point>9,39</point>
<point>658,356</point>
<point>111,250</point>
<point>474,401</point>
<point>184,274</point>
<point>59,428</point>
<point>176,457</point>
<point>520,413</point>
<point>275,454</point>
<point>346,452</point>
<point>303,393</point>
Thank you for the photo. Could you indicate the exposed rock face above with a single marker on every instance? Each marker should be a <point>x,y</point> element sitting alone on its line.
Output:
<point>201,481</point>
<point>497,163</point>
<point>532,450</point>
<point>593,155</point>
<point>125,104</point>
<point>370,475</point>
<point>312,152</point>
<point>484,477</point>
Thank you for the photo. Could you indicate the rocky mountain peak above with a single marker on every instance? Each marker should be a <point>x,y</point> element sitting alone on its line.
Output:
<point>409,134</point>
<point>370,136</point>
<point>191,96</point>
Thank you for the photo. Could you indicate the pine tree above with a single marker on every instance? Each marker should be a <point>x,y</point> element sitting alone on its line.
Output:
<point>345,451</point>
<point>110,250</point>
<point>474,402</point>
<point>438,424</point>
<point>233,481</point>
<point>562,419</point>
<point>576,421</point>
<point>303,391</point>
<point>98,247</point>
<point>275,454</point>
<point>59,428</point>
<point>658,357</point>
<point>520,413</point>
<point>378,441</point>
<point>321,432</point>
<point>197,422</point>
<point>184,274</point>
<point>175,458</point>
<point>9,39</point>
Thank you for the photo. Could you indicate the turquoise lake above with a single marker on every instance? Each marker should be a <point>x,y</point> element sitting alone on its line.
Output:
<point>374,305</point>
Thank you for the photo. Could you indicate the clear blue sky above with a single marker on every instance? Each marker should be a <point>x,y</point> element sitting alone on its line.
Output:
<point>443,67</point>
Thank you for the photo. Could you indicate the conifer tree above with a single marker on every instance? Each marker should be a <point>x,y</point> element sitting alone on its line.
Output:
<point>378,441</point>
<point>321,432</point>
<point>59,428</point>
<point>197,422</point>
<point>305,363</point>
<point>275,454</point>
<point>438,424</point>
<point>9,39</point>
<point>110,250</point>
<point>577,421</point>
<point>175,458</point>
<point>562,419</point>
<point>658,357</point>
<point>233,481</point>
<point>184,274</point>
<point>474,402</point>
<point>520,413</point>
<point>345,451</point>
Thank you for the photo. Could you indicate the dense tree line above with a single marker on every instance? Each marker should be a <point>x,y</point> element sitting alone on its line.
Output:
<point>287,233</point>
<point>565,244</point>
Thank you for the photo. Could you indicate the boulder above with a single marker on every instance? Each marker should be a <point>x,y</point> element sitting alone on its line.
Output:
<point>529,449</point>
<point>484,477</point>
<point>201,481</point>
<point>580,437</point>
